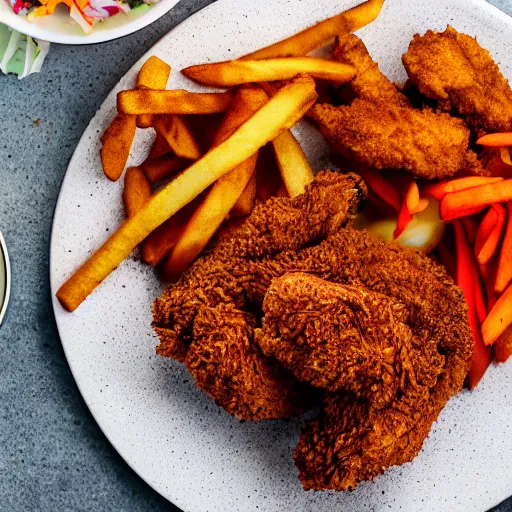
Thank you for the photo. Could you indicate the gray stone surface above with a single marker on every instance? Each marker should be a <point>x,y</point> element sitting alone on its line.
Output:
<point>53,456</point>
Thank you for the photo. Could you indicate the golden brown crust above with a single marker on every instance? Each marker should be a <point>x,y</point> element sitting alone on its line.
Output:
<point>455,70</point>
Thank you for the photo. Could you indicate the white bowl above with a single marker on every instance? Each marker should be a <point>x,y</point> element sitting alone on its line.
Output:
<point>59,27</point>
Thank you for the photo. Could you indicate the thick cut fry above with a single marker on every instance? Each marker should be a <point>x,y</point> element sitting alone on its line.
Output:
<point>116,144</point>
<point>504,273</point>
<point>153,74</point>
<point>177,134</point>
<point>222,197</point>
<point>138,102</point>
<point>279,114</point>
<point>439,190</point>
<point>496,140</point>
<point>163,167</point>
<point>499,318</point>
<point>160,243</point>
<point>322,33</point>
<point>236,72</point>
<point>136,192</point>
<point>293,164</point>
<point>467,202</point>
<point>245,203</point>
<point>159,148</point>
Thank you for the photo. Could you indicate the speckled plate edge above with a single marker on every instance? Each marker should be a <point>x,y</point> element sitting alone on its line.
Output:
<point>478,4</point>
<point>6,269</point>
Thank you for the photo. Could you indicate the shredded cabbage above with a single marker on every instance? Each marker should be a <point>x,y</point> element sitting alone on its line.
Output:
<point>20,54</point>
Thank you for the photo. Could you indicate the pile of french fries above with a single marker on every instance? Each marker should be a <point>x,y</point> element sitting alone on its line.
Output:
<point>215,154</point>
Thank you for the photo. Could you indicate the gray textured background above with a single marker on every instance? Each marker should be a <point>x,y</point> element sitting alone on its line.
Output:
<point>53,456</point>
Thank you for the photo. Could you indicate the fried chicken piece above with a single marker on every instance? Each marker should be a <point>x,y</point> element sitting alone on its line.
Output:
<point>386,136</point>
<point>369,82</point>
<point>187,317</point>
<point>391,376</point>
<point>336,336</point>
<point>455,70</point>
<point>208,319</point>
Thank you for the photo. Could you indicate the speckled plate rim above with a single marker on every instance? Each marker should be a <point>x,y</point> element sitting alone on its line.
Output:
<point>478,4</point>
<point>6,269</point>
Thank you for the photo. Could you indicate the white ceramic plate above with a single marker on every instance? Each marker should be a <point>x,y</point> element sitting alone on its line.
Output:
<point>5,278</point>
<point>182,444</point>
<point>60,28</point>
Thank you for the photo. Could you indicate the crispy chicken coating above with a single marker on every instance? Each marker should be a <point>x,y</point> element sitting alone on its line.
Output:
<point>404,350</point>
<point>455,70</point>
<point>369,83</point>
<point>387,136</point>
<point>188,316</point>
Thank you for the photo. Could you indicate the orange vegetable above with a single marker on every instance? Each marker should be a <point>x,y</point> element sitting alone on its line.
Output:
<point>496,139</point>
<point>381,186</point>
<point>439,190</point>
<point>504,274</point>
<point>412,196</point>
<point>471,228</point>
<point>488,274</point>
<point>499,318</point>
<point>503,346</point>
<point>422,205</point>
<point>467,202</point>
<point>481,308</point>
<point>487,240</point>
<point>447,259</point>
<point>466,270</point>
<point>404,217</point>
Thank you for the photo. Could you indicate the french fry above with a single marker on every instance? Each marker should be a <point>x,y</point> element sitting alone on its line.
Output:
<point>245,203</point>
<point>136,192</point>
<point>178,135</point>
<point>138,102</point>
<point>153,74</point>
<point>280,113</point>
<point>322,33</point>
<point>159,148</point>
<point>268,177</point>
<point>163,167</point>
<point>116,143</point>
<point>160,242</point>
<point>236,72</point>
<point>293,164</point>
<point>222,197</point>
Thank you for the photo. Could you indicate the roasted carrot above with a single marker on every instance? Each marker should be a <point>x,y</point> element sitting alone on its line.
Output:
<point>496,139</point>
<point>465,273</point>
<point>485,246</point>
<point>499,318</point>
<point>381,186</point>
<point>440,189</point>
<point>504,273</point>
<point>467,202</point>
<point>503,346</point>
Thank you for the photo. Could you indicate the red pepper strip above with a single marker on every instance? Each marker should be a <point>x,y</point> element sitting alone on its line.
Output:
<point>504,274</point>
<point>447,259</point>
<point>466,270</point>
<point>471,228</point>
<point>381,186</point>
<point>491,243</point>
<point>496,139</point>
<point>422,205</point>
<point>404,217</point>
<point>488,274</point>
<point>412,196</point>
<point>485,229</point>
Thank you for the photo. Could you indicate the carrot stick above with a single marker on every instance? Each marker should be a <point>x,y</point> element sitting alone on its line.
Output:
<point>504,274</point>
<point>381,186</point>
<point>471,228</point>
<point>467,202</point>
<point>496,139</point>
<point>404,217</point>
<point>503,346</point>
<point>439,190</point>
<point>412,197</point>
<point>465,277</point>
<point>490,244</point>
<point>485,229</point>
<point>499,318</point>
